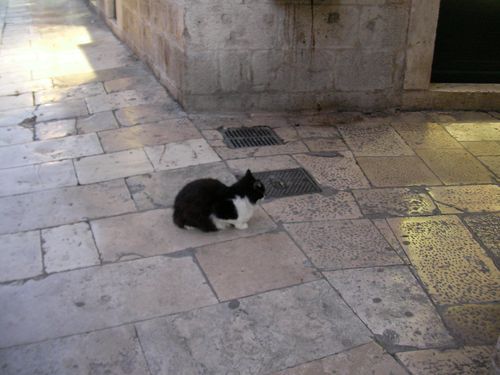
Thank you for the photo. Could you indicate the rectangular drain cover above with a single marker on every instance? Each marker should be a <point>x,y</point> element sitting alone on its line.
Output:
<point>250,137</point>
<point>287,182</point>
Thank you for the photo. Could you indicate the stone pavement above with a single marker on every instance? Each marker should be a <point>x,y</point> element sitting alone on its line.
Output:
<point>392,269</point>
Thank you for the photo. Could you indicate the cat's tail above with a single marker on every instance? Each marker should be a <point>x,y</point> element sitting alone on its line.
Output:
<point>178,220</point>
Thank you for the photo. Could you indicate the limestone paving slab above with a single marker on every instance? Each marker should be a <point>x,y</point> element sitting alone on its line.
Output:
<point>313,207</point>
<point>475,131</point>
<point>325,144</point>
<point>55,129</point>
<point>100,297</point>
<point>148,113</point>
<point>365,359</point>
<point>96,122</point>
<point>111,351</point>
<point>486,228</point>
<point>483,148</point>
<point>343,244</point>
<point>322,131</point>
<point>451,264</point>
<point>20,256</point>
<point>456,199</point>
<point>455,166</point>
<point>469,360</point>
<point>12,135</point>
<point>159,189</point>
<point>262,164</point>
<point>16,116</point>
<point>153,233</point>
<point>397,171</point>
<point>63,206</point>
<point>99,75</point>
<point>37,177</point>
<point>167,131</point>
<point>111,166</point>
<point>123,99</point>
<point>68,247</point>
<point>255,335</point>
<point>492,162</point>
<point>336,171</point>
<point>62,110</point>
<point>49,150</point>
<point>129,83</point>
<point>23,86</point>
<point>69,93</point>
<point>373,138</point>
<point>394,202</point>
<point>293,147</point>
<point>246,266</point>
<point>16,101</point>
<point>393,305</point>
<point>426,135</point>
<point>474,324</point>
<point>182,154</point>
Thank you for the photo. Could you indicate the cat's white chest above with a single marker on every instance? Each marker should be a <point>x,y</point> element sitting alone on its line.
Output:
<point>244,208</point>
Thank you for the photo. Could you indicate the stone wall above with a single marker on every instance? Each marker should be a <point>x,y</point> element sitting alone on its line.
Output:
<point>272,54</point>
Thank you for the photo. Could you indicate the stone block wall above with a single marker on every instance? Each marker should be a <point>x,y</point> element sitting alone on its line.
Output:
<point>272,54</point>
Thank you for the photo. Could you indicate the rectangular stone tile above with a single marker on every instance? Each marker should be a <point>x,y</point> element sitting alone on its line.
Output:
<point>475,131</point>
<point>397,171</point>
<point>111,351</point>
<point>318,131</point>
<point>69,93</point>
<point>111,166</point>
<point>62,110</point>
<point>20,256</point>
<point>492,163</point>
<point>63,206</point>
<point>37,177</point>
<point>313,207</point>
<point>456,199</point>
<point>129,83</point>
<point>293,147</point>
<point>16,101</point>
<point>68,247</point>
<point>450,263</point>
<point>426,135</point>
<point>49,150</point>
<point>487,229</point>
<point>474,324</point>
<point>179,155</point>
<point>343,244</point>
<point>366,359</point>
<point>469,360</point>
<point>394,202</point>
<point>483,148</point>
<point>154,233</point>
<point>455,166</point>
<point>148,113</point>
<point>17,117</point>
<point>339,171</point>
<point>96,122</point>
<point>123,99</point>
<point>255,335</point>
<point>374,138</point>
<point>167,131</point>
<point>99,75</point>
<point>393,305</point>
<point>24,86</point>
<point>252,265</point>
<point>325,144</point>
<point>385,230</point>
<point>99,297</point>
<point>155,190</point>
<point>261,164</point>
<point>12,135</point>
<point>55,129</point>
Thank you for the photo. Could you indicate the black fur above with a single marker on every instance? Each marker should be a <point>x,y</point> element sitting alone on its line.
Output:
<point>200,199</point>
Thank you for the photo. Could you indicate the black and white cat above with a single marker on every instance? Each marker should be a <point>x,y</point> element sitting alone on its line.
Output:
<point>210,205</point>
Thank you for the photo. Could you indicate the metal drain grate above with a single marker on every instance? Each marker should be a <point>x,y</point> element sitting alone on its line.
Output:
<point>287,182</point>
<point>250,137</point>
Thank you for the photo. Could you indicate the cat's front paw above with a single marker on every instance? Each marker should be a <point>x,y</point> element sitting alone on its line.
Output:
<point>241,226</point>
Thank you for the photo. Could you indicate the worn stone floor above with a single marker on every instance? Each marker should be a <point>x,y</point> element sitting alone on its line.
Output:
<point>392,269</point>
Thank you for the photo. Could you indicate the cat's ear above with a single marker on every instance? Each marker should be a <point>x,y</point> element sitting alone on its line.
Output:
<point>248,174</point>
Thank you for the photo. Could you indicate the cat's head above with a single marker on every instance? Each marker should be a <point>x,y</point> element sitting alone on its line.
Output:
<point>253,188</point>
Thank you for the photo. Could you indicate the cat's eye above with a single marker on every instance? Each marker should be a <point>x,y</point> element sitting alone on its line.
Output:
<point>258,185</point>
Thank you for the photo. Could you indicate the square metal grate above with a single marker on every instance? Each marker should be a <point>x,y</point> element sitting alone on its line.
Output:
<point>287,182</point>
<point>255,136</point>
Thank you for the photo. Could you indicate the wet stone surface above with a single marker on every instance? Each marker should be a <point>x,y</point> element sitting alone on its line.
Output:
<point>475,198</point>
<point>343,244</point>
<point>487,229</point>
<point>450,263</point>
<point>393,305</point>
<point>394,202</point>
<point>265,333</point>
<point>474,324</point>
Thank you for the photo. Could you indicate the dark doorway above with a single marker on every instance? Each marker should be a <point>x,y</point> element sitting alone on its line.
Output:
<point>467,42</point>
